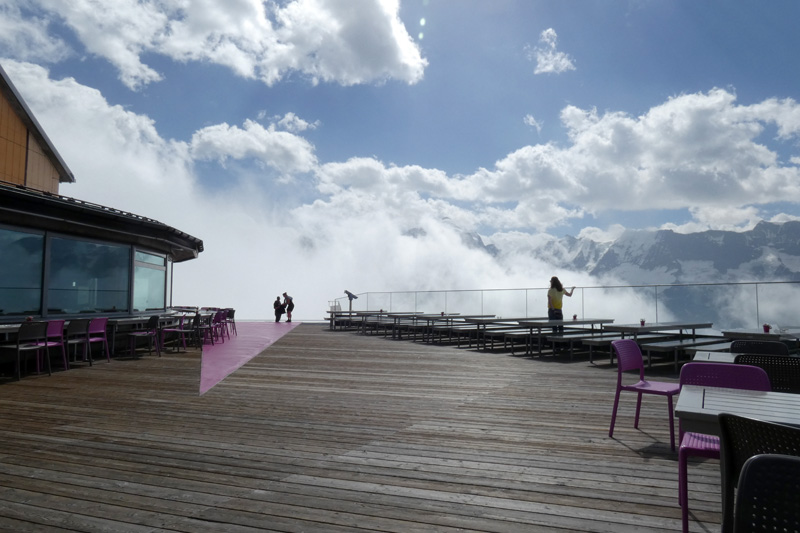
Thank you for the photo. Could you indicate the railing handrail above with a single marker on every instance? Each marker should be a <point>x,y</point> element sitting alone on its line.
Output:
<point>741,308</point>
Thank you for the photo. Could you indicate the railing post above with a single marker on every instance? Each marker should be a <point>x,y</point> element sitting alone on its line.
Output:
<point>656,287</point>
<point>758,312</point>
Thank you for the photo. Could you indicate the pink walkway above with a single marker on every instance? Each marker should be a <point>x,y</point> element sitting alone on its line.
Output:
<point>222,359</point>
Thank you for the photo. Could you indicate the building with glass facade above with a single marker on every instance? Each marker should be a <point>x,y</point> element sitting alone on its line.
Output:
<point>61,256</point>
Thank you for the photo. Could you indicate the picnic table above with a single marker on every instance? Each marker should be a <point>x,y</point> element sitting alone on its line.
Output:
<point>452,324</point>
<point>636,329</point>
<point>674,345</point>
<point>496,326</point>
<point>539,325</point>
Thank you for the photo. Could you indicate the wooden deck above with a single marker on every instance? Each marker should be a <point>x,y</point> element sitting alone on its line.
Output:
<point>334,431</point>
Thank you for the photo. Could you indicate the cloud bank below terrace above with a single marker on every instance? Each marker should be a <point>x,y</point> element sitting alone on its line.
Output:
<point>690,150</point>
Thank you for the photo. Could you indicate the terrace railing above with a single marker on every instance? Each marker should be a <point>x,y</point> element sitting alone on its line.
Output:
<point>727,305</point>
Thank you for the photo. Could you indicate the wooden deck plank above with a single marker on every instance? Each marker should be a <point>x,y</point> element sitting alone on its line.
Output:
<point>337,431</point>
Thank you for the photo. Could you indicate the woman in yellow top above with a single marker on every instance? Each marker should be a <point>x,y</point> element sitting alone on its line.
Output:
<point>554,300</point>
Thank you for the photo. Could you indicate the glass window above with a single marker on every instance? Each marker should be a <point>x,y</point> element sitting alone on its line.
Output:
<point>21,260</point>
<point>148,288</point>
<point>87,277</point>
<point>149,281</point>
<point>152,259</point>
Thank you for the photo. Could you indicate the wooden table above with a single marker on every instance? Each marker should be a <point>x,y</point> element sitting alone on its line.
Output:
<point>698,407</point>
<point>539,325</point>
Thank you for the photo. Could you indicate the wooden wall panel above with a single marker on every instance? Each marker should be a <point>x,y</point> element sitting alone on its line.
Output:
<point>13,136</point>
<point>41,174</point>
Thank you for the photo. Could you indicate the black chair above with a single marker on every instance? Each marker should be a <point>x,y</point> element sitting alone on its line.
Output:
<point>179,331</point>
<point>231,321</point>
<point>742,438</point>
<point>150,332</point>
<point>31,338</point>
<point>78,335</point>
<point>203,327</point>
<point>760,347</point>
<point>768,495</point>
<point>783,370</point>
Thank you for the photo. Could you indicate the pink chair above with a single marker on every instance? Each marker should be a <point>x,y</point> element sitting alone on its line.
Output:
<point>97,333</point>
<point>731,376</point>
<point>629,357</point>
<point>55,337</point>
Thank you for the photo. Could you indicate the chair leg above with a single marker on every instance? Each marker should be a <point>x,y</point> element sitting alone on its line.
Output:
<point>671,423</point>
<point>614,414</point>
<point>64,357</point>
<point>683,488</point>
<point>47,360</point>
<point>638,410</point>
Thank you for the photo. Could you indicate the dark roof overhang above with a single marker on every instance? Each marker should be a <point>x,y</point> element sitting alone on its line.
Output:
<point>25,207</point>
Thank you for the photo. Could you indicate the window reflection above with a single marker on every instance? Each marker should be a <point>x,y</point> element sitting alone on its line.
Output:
<point>149,281</point>
<point>148,288</point>
<point>21,260</point>
<point>87,277</point>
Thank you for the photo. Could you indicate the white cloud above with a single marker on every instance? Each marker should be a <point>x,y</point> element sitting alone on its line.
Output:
<point>719,218</point>
<point>609,234</point>
<point>548,59</point>
<point>355,232</point>
<point>27,37</point>
<point>293,123</point>
<point>532,122</point>
<point>283,151</point>
<point>339,41</point>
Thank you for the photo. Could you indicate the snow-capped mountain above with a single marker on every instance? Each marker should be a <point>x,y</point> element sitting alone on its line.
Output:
<point>768,252</point>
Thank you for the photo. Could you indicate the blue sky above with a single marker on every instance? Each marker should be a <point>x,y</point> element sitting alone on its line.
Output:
<point>308,138</point>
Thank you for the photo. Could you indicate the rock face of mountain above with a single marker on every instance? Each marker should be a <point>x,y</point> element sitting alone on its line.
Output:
<point>768,252</point>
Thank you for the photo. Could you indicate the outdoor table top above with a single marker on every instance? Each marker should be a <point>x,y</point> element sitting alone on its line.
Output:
<point>758,334</point>
<point>546,323</point>
<point>454,318</point>
<point>656,326</point>
<point>698,407</point>
<point>702,356</point>
<point>498,320</point>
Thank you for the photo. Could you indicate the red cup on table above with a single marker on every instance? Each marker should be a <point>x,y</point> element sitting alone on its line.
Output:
<point>767,327</point>
<point>641,321</point>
